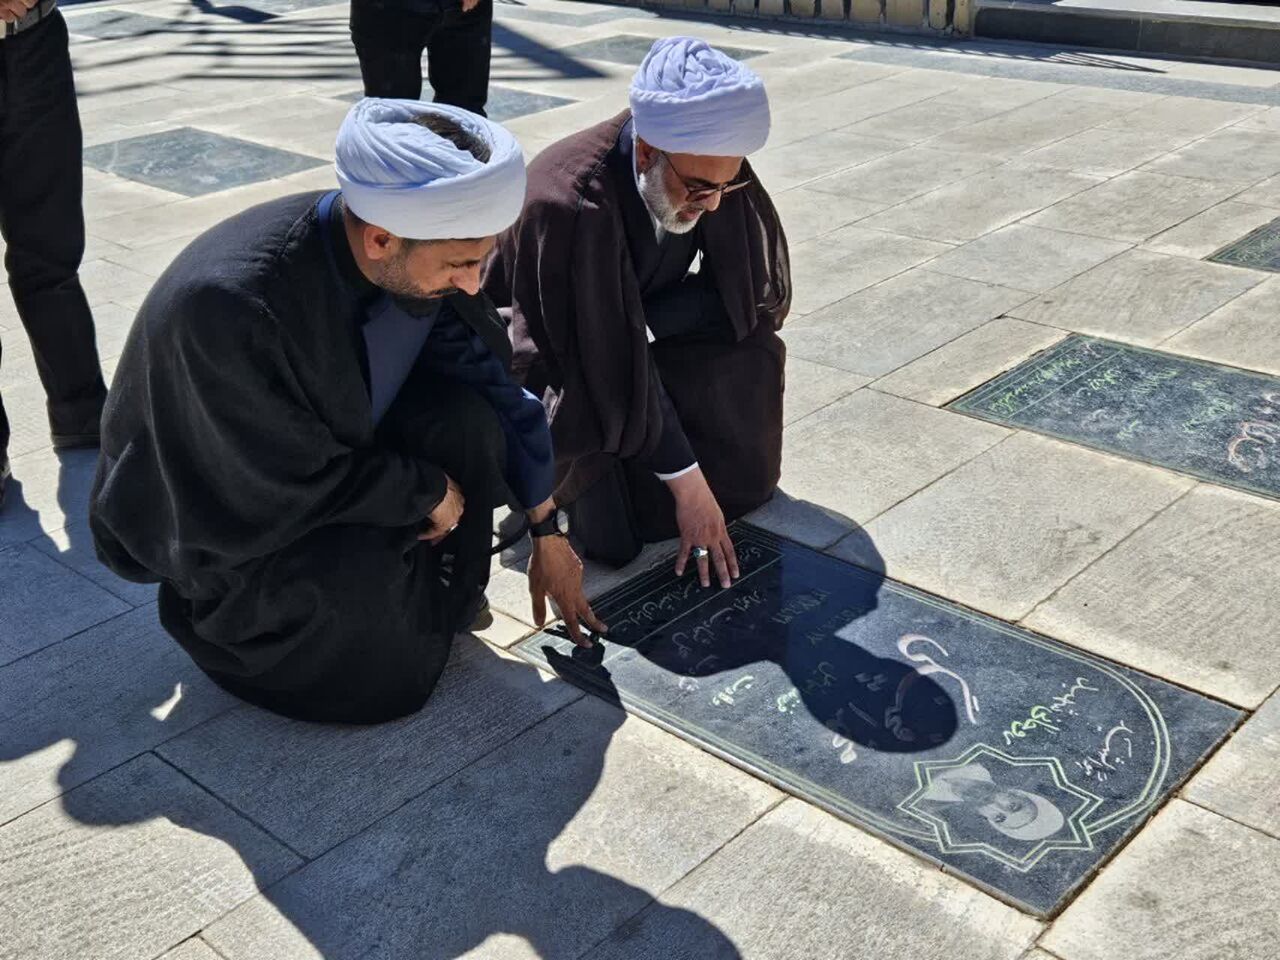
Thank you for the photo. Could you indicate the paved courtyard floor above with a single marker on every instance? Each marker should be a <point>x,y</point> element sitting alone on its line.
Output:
<point>951,212</point>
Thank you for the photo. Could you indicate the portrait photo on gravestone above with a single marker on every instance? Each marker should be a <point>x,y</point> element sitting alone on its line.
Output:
<point>1011,759</point>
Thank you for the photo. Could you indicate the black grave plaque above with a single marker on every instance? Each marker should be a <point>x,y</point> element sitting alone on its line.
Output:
<point>1010,759</point>
<point>1213,422</point>
<point>1259,249</point>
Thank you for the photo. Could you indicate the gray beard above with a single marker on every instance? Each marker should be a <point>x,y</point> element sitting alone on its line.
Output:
<point>657,201</point>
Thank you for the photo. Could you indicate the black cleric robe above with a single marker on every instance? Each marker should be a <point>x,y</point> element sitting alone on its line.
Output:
<point>576,278</point>
<point>242,470</point>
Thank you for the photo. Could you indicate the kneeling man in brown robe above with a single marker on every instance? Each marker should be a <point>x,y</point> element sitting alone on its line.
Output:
<point>646,280</point>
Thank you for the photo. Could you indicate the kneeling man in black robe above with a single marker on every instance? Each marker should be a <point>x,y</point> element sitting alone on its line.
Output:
<point>313,421</point>
<point>646,281</point>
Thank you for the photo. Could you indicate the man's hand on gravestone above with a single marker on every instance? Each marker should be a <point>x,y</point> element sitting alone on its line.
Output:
<point>556,572</point>
<point>701,523</point>
<point>444,518</point>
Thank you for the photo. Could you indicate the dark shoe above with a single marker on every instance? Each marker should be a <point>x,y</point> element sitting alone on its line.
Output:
<point>5,473</point>
<point>75,441</point>
<point>476,615</point>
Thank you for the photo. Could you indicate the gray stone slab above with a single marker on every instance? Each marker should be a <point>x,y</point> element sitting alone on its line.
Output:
<point>83,706</point>
<point>808,213</point>
<point>850,259</point>
<point>1026,258</point>
<point>631,50</point>
<point>1212,230</point>
<point>802,672</point>
<point>567,19</point>
<point>118,24</point>
<point>24,404</point>
<point>314,786</point>
<point>1005,530</point>
<point>921,121</point>
<point>818,156</point>
<point>1192,885</point>
<point>1023,129</point>
<point>539,850</point>
<point>49,490</point>
<point>1265,194</point>
<point>1242,781</point>
<point>802,521</point>
<point>1232,155</point>
<point>902,176</point>
<point>127,866</point>
<point>966,210</point>
<point>892,323</point>
<point>503,104</point>
<point>193,949</point>
<point>1187,597</point>
<point>811,386</point>
<point>1134,206</point>
<point>1241,333</point>
<point>801,885</point>
<point>1103,152</point>
<point>72,546</point>
<point>44,602</point>
<point>970,360</point>
<point>195,162</point>
<point>863,454</point>
<point>1138,297</point>
<point>1258,250</point>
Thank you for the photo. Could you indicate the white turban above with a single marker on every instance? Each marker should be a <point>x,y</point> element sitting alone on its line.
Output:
<point>688,97</point>
<point>411,181</point>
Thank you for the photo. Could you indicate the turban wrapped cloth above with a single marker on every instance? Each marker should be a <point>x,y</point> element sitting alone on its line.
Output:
<point>409,180</point>
<point>688,97</point>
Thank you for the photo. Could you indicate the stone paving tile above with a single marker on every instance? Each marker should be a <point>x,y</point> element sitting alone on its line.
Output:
<point>173,860</point>
<point>902,176</point>
<point>802,521</point>
<point>883,327</point>
<point>1103,152</point>
<point>1266,193</point>
<point>78,708</point>
<point>1189,597</point>
<point>1026,258</point>
<point>818,156</point>
<point>43,602</point>
<point>841,888</point>
<point>1134,206</point>
<point>72,546</point>
<point>1139,297</point>
<point>970,208</point>
<point>580,822</point>
<point>1212,230</point>
<point>807,213</point>
<point>119,195</point>
<point>186,217</point>
<point>811,386</point>
<point>1005,530</point>
<point>1242,781</point>
<point>1233,155</point>
<point>850,259</point>
<point>24,405</point>
<point>1023,129</point>
<point>313,786</point>
<point>1242,333</point>
<point>968,361</point>
<point>1222,905</point>
<point>104,280</point>
<point>863,454</point>
<point>48,491</point>
<point>1183,117</point>
<point>921,121</point>
<point>193,949</point>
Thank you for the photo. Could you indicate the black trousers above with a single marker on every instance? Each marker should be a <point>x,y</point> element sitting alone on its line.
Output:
<point>354,623</point>
<point>390,36</point>
<point>42,221</point>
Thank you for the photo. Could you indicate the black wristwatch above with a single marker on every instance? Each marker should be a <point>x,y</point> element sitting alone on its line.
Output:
<point>556,525</point>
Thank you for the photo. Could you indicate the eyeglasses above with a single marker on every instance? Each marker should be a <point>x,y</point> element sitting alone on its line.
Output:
<point>697,191</point>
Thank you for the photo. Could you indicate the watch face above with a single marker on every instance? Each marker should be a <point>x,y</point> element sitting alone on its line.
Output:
<point>562,522</point>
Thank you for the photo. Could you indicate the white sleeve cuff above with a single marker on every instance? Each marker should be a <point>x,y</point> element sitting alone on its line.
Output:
<point>679,473</point>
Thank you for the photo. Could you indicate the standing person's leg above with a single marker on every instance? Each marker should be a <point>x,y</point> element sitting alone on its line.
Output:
<point>42,220</point>
<point>458,56</point>
<point>389,42</point>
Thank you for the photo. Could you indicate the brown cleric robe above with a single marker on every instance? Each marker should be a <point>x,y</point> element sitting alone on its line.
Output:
<point>584,280</point>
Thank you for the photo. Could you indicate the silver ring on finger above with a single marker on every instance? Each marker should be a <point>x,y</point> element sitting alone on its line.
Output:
<point>700,553</point>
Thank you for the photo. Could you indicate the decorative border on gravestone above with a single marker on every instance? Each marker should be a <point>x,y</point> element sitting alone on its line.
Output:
<point>1258,249</point>
<point>900,711</point>
<point>1207,420</point>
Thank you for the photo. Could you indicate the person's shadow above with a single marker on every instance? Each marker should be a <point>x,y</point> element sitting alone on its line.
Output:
<point>419,838</point>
